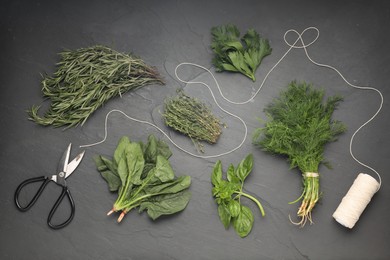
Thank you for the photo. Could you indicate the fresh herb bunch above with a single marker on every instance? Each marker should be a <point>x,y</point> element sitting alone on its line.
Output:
<point>193,118</point>
<point>87,78</point>
<point>228,192</point>
<point>299,127</point>
<point>238,55</point>
<point>144,178</point>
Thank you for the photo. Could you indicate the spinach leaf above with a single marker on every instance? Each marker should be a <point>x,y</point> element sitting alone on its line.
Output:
<point>120,149</point>
<point>108,174</point>
<point>165,204</point>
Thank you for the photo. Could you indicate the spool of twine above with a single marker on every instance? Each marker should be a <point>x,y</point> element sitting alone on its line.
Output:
<point>356,200</point>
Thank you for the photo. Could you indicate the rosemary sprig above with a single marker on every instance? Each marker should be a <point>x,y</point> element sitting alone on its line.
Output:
<point>193,118</point>
<point>87,78</point>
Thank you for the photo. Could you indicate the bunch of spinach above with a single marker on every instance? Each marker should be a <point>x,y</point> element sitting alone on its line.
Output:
<point>238,55</point>
<point>144,178</point>
<point>228,192</point>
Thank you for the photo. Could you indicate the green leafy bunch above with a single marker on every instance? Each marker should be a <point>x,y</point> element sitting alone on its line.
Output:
<point>238,55</point>
<point>144,178</point>
<point>299,126</point>
<point>193,118</point>
<point>228,192</point>
<point>87,78</point>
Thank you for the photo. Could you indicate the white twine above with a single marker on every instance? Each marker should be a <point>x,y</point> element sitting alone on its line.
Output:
<point>356,200</point>
<point>293,45</point>
<point>311,174</point>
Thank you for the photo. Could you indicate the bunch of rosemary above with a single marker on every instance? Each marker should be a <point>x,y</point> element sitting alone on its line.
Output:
<point>87,78</point>
<point>193,118</point>
<point>299,127</point>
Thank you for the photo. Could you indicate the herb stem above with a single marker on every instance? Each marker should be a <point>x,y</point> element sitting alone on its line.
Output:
<point>253,199</point>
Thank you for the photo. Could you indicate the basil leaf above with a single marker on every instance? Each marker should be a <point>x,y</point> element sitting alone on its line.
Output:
<point>216,176</point>
<point>234,208</point>
<point>224,215</point>
<point>231,175</point>
<point>165,204</point>
<point>243,222</point>
<point>244,167</point>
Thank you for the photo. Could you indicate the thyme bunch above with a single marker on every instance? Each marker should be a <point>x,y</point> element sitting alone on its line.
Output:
<point>193,118</point>
<point>85,79</point>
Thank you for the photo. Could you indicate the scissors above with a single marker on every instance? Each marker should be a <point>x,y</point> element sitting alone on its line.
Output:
<point>64,170</point>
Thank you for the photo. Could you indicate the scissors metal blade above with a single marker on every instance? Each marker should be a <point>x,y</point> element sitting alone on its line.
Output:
<point>73,164</point>
<point>63,164</point>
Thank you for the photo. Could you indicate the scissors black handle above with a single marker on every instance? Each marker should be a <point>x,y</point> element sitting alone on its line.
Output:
<point>45,180</point>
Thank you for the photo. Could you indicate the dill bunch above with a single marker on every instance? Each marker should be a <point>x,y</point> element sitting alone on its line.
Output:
<point>300,125</point>
<point>193,118</point>
<point>85,79</point>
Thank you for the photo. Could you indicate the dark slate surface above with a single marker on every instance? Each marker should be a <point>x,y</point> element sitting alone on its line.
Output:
<point>353,37</point>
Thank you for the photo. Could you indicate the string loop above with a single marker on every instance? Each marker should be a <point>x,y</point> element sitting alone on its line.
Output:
<point>299,43</point>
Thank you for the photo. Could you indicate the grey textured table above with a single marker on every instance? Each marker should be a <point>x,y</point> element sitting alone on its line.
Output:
<point>353,37</point>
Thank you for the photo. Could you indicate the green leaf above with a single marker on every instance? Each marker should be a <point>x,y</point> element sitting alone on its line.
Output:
<point>108,175</point>
<point>226,189</point>
<point>229,67</point>
<point>224,215</point>
<point>172,186</point>
<point>135,162</point>
<point>123,170</point>
<point>233,46</point>
<point>120,149</point>
<point>244,167</point>
<point>243,222</point>
<point>234,208</point>
<point>216,176</point>
<point>110,165</point>
<point>231,174</point>
<point>151,150</point>
<point>163,149</point>
<point>112,180</point>
<point>164,171</point>
<point>165,204</point>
